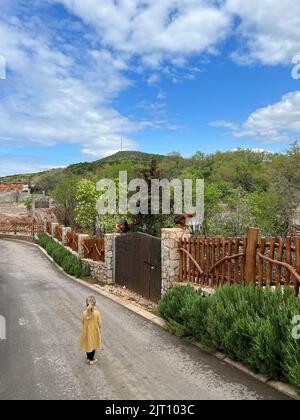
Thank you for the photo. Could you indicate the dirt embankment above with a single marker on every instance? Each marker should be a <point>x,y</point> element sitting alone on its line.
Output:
<point>18,213</point>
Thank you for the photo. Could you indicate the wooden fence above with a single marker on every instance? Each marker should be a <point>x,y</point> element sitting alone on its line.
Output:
<point>215,261</point>
<point>58,232</point>
<point>72,240</point>
<point>21,228</point>
<point>94,249</point>
<point>49,228</point>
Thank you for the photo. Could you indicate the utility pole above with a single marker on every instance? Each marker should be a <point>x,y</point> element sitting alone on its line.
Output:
<point>121,144</point>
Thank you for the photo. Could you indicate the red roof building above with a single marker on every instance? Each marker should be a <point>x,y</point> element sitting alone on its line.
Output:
<point>11,187</point>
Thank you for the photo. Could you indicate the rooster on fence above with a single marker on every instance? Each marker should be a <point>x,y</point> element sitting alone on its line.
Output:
<point>125,227</point>
<point>184,220</point>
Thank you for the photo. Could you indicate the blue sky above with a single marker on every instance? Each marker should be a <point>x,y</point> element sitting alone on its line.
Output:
<point>165,76</point>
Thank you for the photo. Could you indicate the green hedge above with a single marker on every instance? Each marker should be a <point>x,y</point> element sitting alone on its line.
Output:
<point>250,324</point>
<point>69,262</point>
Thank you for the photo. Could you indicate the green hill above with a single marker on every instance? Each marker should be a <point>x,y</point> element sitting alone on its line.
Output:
<point>137,158</point>
<point>26,178</point>
<point>85,167</point>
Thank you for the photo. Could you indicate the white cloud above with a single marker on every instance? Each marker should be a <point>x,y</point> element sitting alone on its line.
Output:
<point>154,79</point>
<point>161,96</point>
<point>269,30</point>
<point>155,30</point>
<point>44,104</point>
<point>64,74</point>
<point>279,122</point>
<point>224,124</point>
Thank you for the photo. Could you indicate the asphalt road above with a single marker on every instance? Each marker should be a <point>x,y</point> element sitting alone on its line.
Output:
<point>40,359</point>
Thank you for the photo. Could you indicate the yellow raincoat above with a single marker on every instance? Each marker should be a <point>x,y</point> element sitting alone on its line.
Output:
<point>91,332</point>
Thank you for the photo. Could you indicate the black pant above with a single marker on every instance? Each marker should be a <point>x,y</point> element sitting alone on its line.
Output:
<point>91,356</point>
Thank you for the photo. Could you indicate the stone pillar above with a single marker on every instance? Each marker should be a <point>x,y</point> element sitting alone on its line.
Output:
<point>109,257</point>
<point>64,235</point>
<point>170,257</point>
<point>81,238</point>
<point>53,226</point>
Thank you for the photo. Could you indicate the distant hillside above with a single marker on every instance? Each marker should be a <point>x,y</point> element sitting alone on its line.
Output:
<point>85,167</point>
<point>133,157</point>
<point>20,178</point>
<point>26,178</point>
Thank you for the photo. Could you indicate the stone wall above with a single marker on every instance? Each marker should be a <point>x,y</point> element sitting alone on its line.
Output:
<point>65,230</point>
<point>13,196</point>
<point>109,257</point>
<point>81,239</point>
<point>101,272</point>
<point>170,257</point>
<point>53,227</point>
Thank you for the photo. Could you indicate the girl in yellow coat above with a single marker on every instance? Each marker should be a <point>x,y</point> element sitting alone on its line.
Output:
<point>91,332</point>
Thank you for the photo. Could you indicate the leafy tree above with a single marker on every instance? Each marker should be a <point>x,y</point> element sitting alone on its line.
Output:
<point>148,222</point>
<point>48,181</point>
<point>242,186</point>
<point>65,198</point>
<point>86,199</point>
<point>285,183</point>
<point>213,205</point>
<point>265,208</point>
<point>28,204</point>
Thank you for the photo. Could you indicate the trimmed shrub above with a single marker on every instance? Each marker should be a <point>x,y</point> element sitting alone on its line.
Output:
<point>172,304</point>
<point>291,365</point>
<point>69,262</point>
<point>194,315</point>
<point>250,324</point>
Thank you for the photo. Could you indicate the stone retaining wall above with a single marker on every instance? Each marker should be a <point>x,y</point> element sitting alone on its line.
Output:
<point>101,272</point>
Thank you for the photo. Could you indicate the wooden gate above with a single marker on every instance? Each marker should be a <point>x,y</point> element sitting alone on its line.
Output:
<point>138,264</point>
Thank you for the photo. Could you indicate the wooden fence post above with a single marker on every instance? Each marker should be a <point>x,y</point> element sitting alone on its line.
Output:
<point>251,254</point>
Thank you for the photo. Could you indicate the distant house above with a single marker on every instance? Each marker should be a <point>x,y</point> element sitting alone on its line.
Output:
<point>42,203</point>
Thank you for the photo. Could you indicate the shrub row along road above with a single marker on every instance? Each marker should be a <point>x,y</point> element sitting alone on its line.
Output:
<point>41,359</point>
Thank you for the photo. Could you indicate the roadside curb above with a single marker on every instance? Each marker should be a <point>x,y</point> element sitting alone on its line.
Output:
<point>281,387</point>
